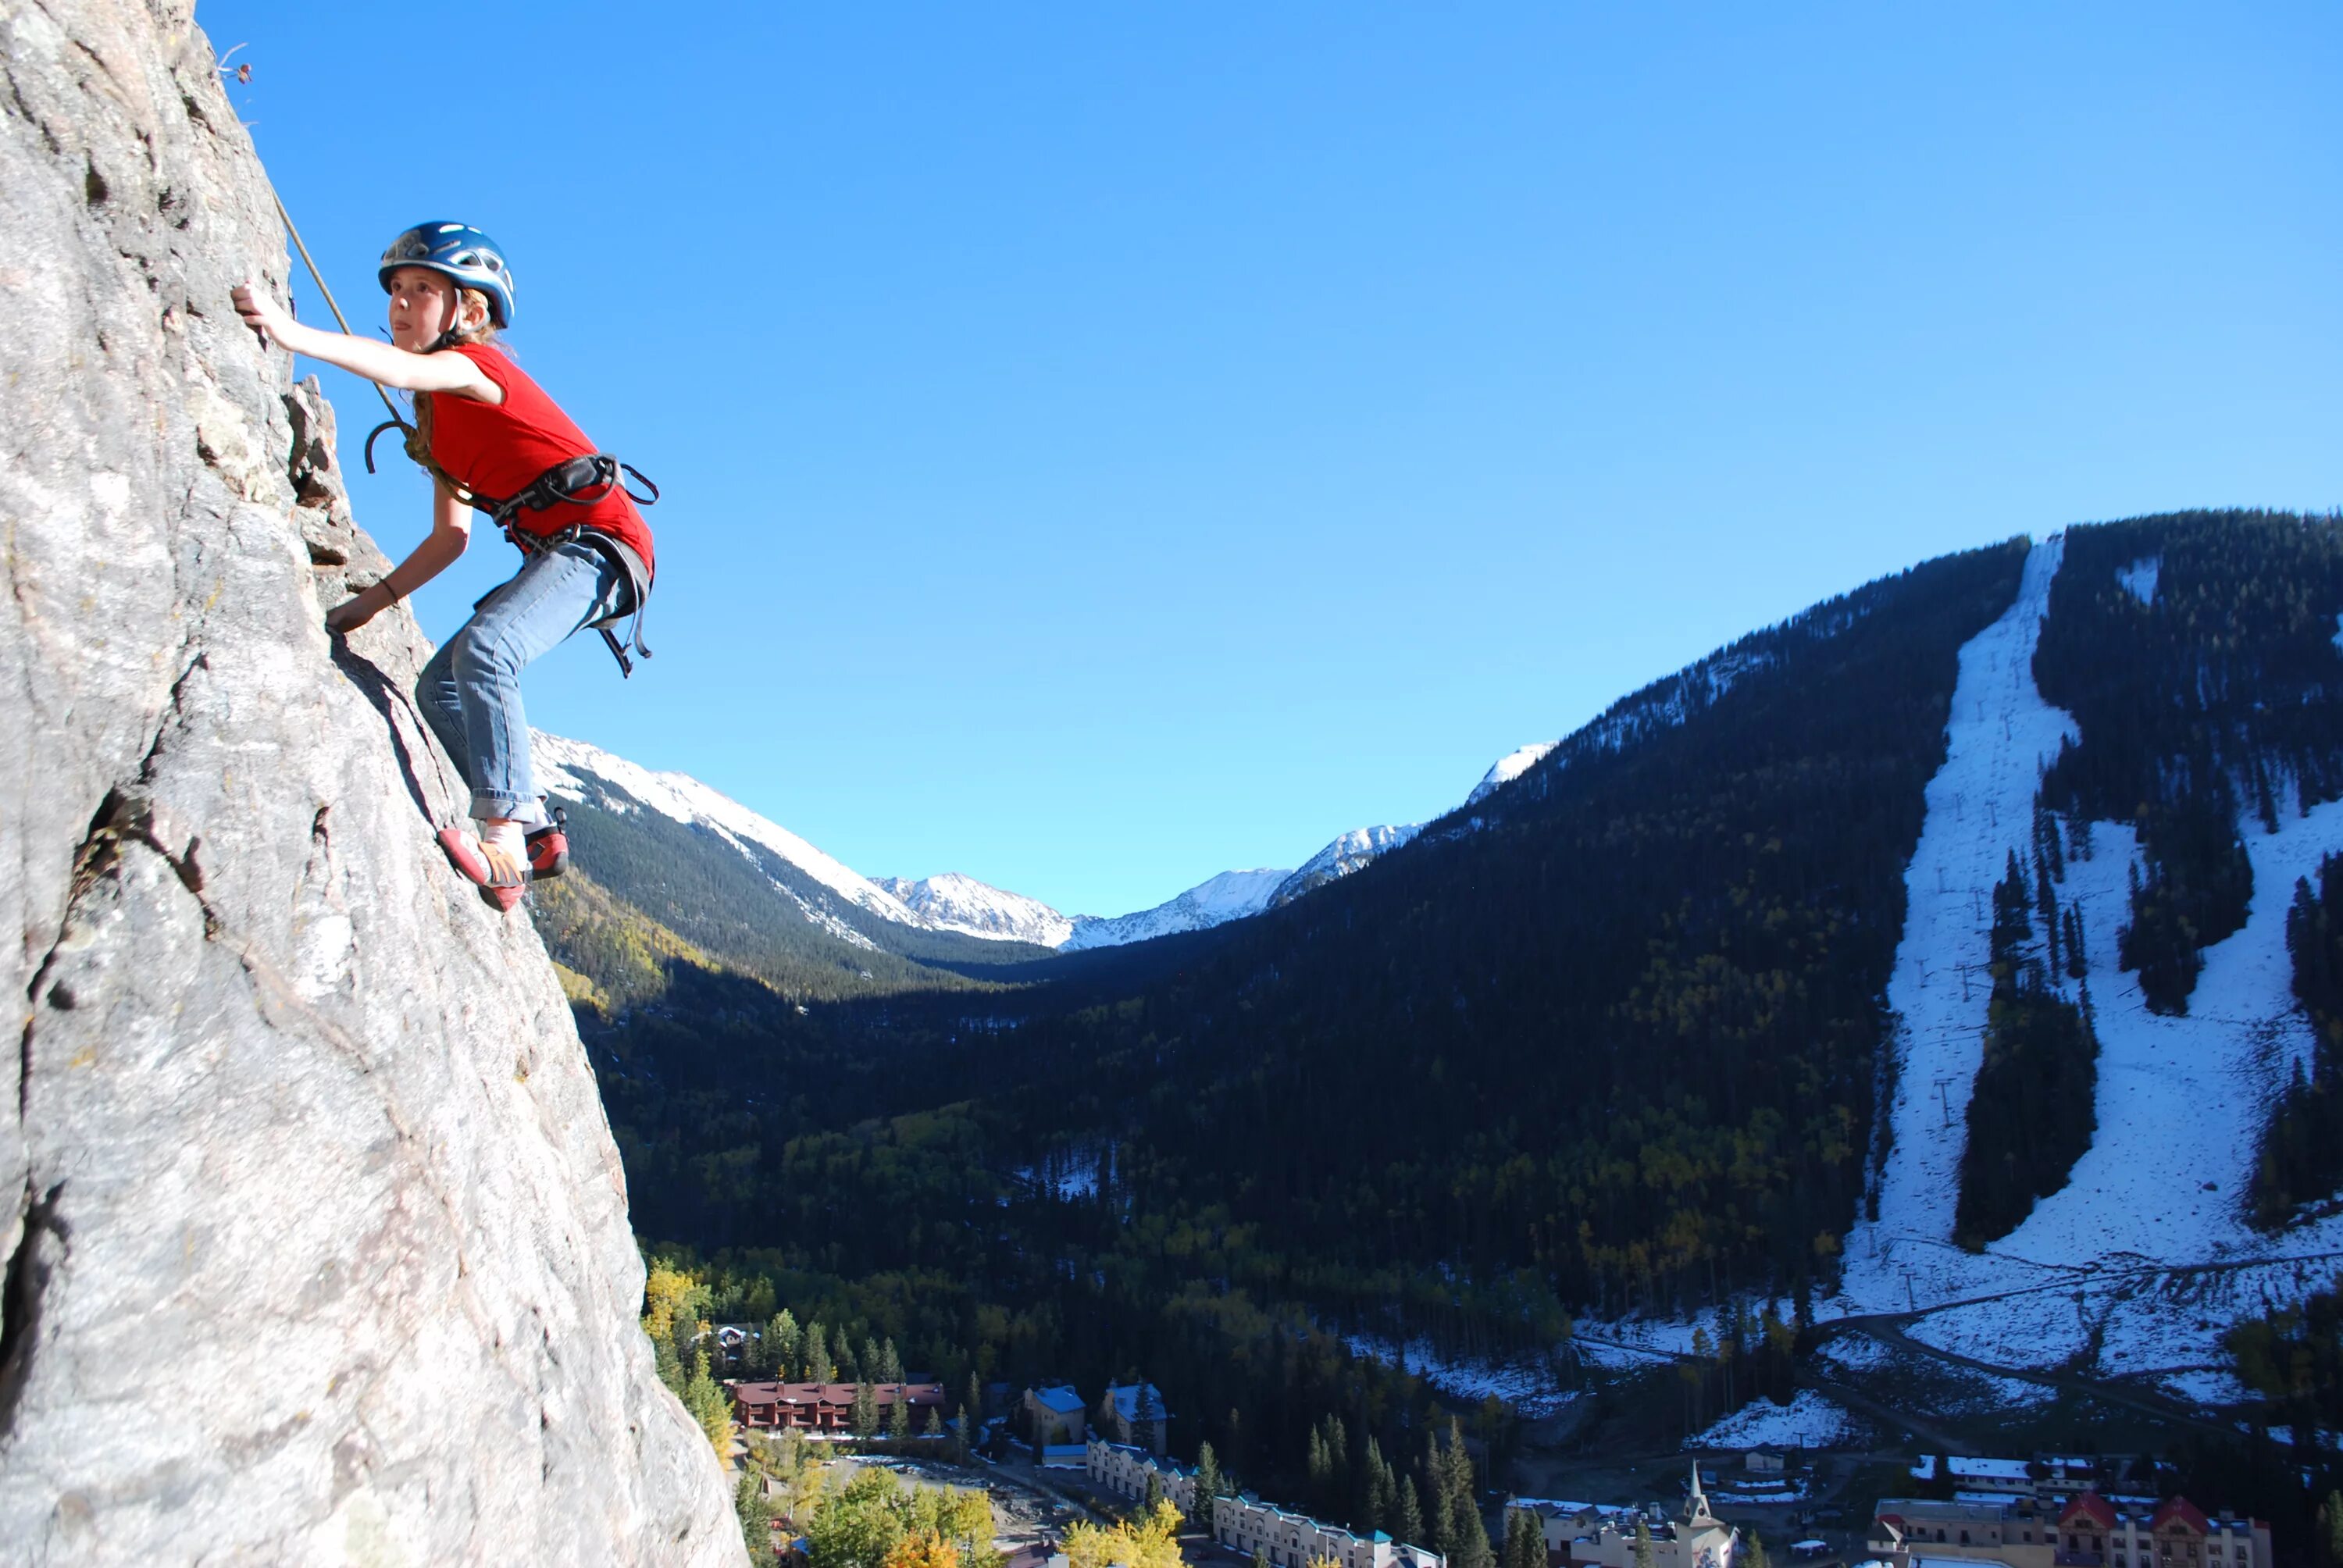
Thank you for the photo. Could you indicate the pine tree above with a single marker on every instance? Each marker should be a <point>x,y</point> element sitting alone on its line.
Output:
<point>818,1368</point>
<point>1336,1503</point>
<point>899,1415</point>
<point>1524,1539</point>
<point>890,1365</point>
<point>2329,1537</point>
<point>1375,1509</point>
<point>1443,1517</point>
<point>1643,1543</point>
<point>1471,1539</point>
<point>2047,901</point>
<point>1154,1498</point>
<point>935,1427</point>
<point>781,1342</point>
<point>1208,1482</point>
<point>1409,1526</point>
<point>709,1406</point>
<point>864,1414</point>
<point>1756,1555</point>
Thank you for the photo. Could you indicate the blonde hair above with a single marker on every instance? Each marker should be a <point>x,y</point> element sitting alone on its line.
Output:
<point>488,330</point>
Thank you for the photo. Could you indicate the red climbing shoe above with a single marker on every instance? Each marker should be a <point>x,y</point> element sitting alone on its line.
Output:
<point>502,880</point>
<point>548,848</point>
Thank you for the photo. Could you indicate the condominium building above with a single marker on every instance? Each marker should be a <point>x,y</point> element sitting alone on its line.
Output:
<point>1057,1415</point>
<point>1123,1467</point>
<point>1246,1524</point>
<point>1134,1413</point>
<point>827,1409</point>
<point>2085,1530</point>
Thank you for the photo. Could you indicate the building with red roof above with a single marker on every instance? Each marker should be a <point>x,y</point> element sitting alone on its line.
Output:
<point>827,1409</point>
<point>2087,1531</point>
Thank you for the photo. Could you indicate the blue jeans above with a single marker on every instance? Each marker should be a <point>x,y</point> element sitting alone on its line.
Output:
<point>470,691</point>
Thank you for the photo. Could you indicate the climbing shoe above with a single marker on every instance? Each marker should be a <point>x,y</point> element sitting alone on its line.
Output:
<point>548,847</point>
<point>502,879</point>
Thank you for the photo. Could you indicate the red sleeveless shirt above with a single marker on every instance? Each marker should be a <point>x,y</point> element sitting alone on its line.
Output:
<point>497,449</point>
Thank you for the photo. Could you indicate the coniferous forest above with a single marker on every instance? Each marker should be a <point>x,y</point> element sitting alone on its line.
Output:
<point>2302,1151</point>
<point>1612,1040</point>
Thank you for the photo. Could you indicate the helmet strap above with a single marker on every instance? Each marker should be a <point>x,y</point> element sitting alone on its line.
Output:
<point>448,338</point>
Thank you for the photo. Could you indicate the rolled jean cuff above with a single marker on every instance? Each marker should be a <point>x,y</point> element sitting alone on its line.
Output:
<point>529,812</point>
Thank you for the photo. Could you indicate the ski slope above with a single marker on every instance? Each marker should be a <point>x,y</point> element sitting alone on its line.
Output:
<point>1980,805</point>
<point>2144,1252</point>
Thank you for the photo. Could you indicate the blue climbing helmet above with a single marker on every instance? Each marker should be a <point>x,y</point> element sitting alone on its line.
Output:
<point>460,252</point>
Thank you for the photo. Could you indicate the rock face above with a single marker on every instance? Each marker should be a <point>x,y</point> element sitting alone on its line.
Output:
<point>316,1240</point>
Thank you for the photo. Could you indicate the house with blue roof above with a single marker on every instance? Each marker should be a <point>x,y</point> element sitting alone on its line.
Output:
<point>1134,1414</point>
<point>1057,1417</point>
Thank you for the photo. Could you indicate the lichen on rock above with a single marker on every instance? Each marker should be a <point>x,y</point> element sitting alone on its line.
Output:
<point>316,1240</point>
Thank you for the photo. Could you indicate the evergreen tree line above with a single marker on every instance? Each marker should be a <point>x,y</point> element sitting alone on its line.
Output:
<point>2293,1357</point>
<point>1616,1048</point>
<point>2033,1109</point>
<point>1615,1045</point>
<point>1358,1487</point>
<point>2221,697</point>
<point>2301,1154</point>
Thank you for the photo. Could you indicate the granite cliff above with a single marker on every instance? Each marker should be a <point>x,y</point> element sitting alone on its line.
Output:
<point>316,1241</point>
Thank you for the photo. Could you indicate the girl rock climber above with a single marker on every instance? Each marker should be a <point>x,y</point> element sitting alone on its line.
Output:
<point>492,441</point>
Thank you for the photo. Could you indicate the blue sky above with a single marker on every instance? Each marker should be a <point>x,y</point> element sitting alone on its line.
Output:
<point>1110,444</point>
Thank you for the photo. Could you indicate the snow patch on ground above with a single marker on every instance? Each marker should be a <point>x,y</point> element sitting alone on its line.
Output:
<point>828,921</point>
<point>1533,1391</point>
<point>2139,577</point>
<point>1857,1352</point>
<point>1810,1420</point>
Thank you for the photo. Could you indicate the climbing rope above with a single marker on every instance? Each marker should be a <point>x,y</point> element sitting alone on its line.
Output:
<point>410,437</point>
<point>430,740</point>
<point>339,318</point>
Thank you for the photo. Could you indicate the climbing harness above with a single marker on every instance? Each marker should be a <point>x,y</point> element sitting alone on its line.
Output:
<point>573,481</point>
<point>581,481</point>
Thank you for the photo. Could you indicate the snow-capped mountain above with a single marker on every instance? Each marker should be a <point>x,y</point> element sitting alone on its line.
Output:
<point>563,767</point>
<point>953,902</point>
<point>861,910</point>
<point>1345,855</point>
<point>1231,896</point>
<point>1510,767</point>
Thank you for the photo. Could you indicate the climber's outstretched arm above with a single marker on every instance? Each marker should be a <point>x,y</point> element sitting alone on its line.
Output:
<point>385,363</point>
<point>451,530</point>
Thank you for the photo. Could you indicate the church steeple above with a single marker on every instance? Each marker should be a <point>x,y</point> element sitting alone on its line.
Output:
<point>1696,1500</point>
